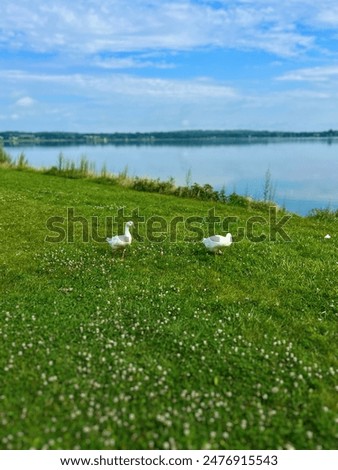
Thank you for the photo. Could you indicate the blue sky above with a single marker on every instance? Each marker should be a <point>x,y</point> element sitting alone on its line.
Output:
<point>147,65</point>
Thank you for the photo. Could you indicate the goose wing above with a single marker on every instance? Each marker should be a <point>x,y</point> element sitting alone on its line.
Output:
<point>216,242</point>
<point>119,241</point>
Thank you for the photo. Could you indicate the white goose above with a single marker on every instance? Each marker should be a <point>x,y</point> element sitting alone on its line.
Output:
<point>120,242</point>
<point>216,243</point>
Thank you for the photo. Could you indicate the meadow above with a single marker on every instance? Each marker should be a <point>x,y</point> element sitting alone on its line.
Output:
<point>170,348</point>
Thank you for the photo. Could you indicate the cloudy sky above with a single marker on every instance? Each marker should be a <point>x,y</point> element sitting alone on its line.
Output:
<point>143,65</point>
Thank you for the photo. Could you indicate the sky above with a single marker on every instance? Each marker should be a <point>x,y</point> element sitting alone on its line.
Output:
<point>157,65</point>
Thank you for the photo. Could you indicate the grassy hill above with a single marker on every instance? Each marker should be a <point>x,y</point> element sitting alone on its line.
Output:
<point>171,347</point>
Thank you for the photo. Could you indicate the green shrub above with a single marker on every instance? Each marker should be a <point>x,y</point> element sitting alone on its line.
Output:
<point>237,200</point>
<point>323,214</point>
<point>21,161</point>
<point>5,158</point>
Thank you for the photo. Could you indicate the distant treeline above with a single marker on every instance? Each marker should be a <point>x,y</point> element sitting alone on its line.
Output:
<point>192,137</point>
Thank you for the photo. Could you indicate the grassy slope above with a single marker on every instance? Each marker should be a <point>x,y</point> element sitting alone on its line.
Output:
<point>172,348</point>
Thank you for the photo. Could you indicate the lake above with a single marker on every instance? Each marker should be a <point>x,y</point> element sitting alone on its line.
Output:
<point>303,172</point>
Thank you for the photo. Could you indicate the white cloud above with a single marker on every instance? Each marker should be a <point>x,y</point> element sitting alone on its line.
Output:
<point>91,28</point>
<point>124,84</point>
<point>314,74</point>
<point>25,102</point>
<point>129,63</point>
<point>179,89</point>
<point>328,16</point>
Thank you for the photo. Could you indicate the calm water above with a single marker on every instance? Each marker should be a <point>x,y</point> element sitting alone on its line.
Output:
<point>304,173</point>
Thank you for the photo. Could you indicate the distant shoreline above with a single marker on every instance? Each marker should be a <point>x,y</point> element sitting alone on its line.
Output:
<point>16,138</point>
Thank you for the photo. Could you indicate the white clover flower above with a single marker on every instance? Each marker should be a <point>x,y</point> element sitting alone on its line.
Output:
<point>244,424</point>
<point>289,446</point>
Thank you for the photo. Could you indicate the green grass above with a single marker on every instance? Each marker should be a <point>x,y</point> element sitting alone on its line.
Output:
<point>170,348</point>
